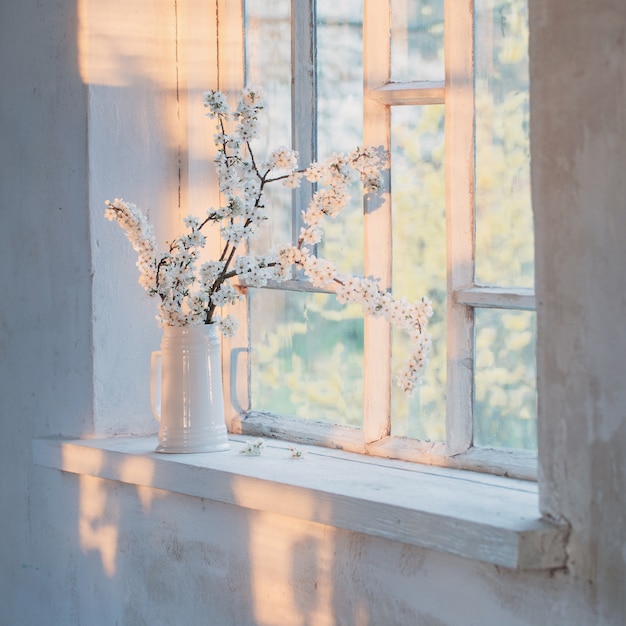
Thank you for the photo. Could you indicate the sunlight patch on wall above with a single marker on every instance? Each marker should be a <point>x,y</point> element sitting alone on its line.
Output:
<point>121,43</point>
<point>140,471</point>
<point>147,65</point>
<point>290,560</point>
<point>291,565</point>
<point>98,521</point>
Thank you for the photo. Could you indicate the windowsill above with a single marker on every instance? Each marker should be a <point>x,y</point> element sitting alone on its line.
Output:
<point>486,518</point>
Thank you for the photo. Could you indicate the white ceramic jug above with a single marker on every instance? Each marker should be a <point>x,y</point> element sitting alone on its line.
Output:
<point>186,390</point>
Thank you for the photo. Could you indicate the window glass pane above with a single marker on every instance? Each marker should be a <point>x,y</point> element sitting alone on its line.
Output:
<point>268,65</point>
<point>307,357</point>
<point>419,258</point>
<point>339,75</point>
<point>505,403</point>
<point>416,40</point>
<point>504,229</point>
<point>340,118</point>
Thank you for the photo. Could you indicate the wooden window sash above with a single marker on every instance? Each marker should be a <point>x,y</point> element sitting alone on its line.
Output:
<point>419,92</point>
<point>457,93</point>
<point>521,298</point>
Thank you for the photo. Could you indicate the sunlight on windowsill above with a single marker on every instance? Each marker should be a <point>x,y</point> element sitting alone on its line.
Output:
<point>485,518</point>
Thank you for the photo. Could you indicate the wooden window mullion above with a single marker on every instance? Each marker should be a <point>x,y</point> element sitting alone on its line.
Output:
<point>459,149</point>
<point>377,222</point>
<point>303,99</point>
<point>235,350</point>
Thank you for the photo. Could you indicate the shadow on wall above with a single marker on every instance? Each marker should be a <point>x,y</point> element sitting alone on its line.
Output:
<point>150,556</point>
<point>156,557</point>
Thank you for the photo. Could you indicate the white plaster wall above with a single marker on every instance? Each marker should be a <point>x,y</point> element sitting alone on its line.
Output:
<point>150,557</point>
<point>45,307</point>
<point>146,68</point>
<point>128,61</point>
<point>81,551</point>
<point>578,98</point>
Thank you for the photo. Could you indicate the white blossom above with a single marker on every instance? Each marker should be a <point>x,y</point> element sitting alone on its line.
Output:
<point>292,180</point>
<point>315,172</point>
<point>216,102</point>
<point>311,235</point>
<point>190,292</point>
<point>227,325</point>
<point>320,271</point>
<point>253,448</point>
<point>225,294</point>
<point>210,271</point>
<point>282,158</point>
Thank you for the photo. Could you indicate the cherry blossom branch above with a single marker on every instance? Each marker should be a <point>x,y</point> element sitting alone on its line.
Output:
<point>190,293</point>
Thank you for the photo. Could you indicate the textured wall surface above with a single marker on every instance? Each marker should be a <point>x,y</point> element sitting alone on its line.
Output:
<point>578,90</point>
<point>87,112</point>
<point>45,313</point>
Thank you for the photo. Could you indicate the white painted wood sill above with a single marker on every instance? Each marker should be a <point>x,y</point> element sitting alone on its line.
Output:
<point>486,518</point>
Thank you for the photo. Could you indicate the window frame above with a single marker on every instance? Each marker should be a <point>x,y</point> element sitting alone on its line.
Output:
<point>456,92</point>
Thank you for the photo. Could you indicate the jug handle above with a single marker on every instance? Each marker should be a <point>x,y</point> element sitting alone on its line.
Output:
<point>155,384</point>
